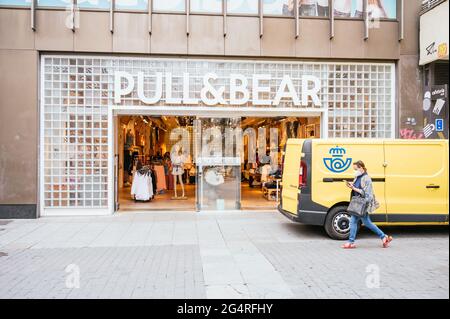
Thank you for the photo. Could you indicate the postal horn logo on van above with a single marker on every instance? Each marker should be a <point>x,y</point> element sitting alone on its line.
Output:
<point>337,163</point>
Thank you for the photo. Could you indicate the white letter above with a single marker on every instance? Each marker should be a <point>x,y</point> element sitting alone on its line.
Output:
<point>158,89</point>
<point>169,98</point>
<point>286,82</point>
<point>257,89</point>
<point>310,92</point>
<point>118,91</point>
<point>217,95</point>
<point>234,88</point>
<point>186,98</point>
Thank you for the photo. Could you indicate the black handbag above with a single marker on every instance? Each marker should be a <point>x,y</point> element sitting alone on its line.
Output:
<point>357,207</point>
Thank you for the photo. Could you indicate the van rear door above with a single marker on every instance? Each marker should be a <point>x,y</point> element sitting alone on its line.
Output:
<point>416,181</point>
<point>291,171</point>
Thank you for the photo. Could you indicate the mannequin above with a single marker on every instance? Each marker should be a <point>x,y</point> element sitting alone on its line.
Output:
<point>177,157</point>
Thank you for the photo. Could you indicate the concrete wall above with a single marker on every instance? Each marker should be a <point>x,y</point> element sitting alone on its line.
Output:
<point>20,47</point>
<point>409,75</point>
<point>18,132</point>
<point>206,36</point>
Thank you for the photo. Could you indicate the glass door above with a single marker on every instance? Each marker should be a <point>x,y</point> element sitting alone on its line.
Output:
<point>217,150</point>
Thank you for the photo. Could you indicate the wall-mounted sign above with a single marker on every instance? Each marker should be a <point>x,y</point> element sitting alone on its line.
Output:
<point>439,125</point>
<point>435,112</point>
<point>442,51</point>
<point>434,34</point>
<point>238,90</point>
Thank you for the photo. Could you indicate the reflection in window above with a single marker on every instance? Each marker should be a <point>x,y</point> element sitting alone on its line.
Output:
<point>242,6</point>
<point>169,5</point>
<point>93,4</point>
<point>386,9</point>
<point>278,7</point>
<point>323,9</point>
<point>54,3</point>
<point>378,9</point>
<point>306,8</point>
<point>131,5</point>
<point>343,8</point>
<point>18,3</point>
<point>206,6</point>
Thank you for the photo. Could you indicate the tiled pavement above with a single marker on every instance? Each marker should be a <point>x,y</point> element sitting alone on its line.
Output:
<point>213,255</point>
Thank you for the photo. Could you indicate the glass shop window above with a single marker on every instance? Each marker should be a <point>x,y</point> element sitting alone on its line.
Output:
<point>93,4</point>
<point>54,3</point>
<point>169,6</point>
<point>137,5</point>
<point>84,4</point>
<point>242,7</point>
<point>278,7</point>
<point>206,6</point>
<point>377,9</point>
<point>306,8</point>
<point>16,3</point>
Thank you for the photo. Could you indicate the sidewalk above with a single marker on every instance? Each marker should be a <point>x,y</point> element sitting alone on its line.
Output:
<point>213,255</point>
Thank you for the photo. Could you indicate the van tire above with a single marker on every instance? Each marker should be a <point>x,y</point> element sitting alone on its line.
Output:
<point>337,223</point>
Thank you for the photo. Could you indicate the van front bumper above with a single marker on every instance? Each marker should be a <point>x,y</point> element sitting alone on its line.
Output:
<point>305,217</point>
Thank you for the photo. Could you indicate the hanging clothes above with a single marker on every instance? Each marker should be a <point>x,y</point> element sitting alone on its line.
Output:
<point>142,188</point>
<point>154,179</point>
<point>160,178</point>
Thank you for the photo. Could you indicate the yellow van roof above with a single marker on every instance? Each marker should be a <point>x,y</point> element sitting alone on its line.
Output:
<point>296,141</point>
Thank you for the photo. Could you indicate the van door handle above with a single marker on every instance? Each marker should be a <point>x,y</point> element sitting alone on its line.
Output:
<point>433,186</point>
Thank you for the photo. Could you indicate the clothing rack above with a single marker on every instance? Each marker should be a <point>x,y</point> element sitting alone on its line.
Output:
<point>142,188</point>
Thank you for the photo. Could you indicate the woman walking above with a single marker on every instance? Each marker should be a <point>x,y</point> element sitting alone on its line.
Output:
<point>362,186</point>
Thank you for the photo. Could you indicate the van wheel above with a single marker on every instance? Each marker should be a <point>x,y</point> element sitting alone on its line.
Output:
<point>337,223</point>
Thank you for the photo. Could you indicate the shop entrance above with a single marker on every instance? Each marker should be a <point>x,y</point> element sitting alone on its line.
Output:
<point>199,163</point>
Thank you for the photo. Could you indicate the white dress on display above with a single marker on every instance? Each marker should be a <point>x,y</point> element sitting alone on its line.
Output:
<point>177,163</point>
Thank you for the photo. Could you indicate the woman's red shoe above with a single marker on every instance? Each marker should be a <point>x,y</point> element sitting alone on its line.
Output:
<point>386,241</point>
<point>349,246</point>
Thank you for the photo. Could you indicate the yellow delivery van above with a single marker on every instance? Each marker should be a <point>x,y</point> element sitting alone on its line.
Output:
<point>410,179</point>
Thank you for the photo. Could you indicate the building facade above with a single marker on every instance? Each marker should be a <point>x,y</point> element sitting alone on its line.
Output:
<point>70,71</point>
<point>434,63</point>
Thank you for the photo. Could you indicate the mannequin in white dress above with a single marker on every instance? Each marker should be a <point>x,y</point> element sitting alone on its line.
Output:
<point>178,159</point>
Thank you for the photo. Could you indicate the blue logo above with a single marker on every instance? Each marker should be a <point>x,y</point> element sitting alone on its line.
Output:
<point>337,163</point>
<point>439,125</point>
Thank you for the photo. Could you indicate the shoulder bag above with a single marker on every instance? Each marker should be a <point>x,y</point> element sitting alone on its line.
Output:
<point>357,206</point>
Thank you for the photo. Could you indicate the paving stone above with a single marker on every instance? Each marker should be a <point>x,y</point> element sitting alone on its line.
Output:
<point>214,255</point>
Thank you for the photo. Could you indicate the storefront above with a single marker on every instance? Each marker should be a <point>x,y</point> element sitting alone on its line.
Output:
<point>83,99</point>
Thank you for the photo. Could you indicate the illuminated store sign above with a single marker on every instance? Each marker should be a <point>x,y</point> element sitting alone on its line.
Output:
<point>240,89</point>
